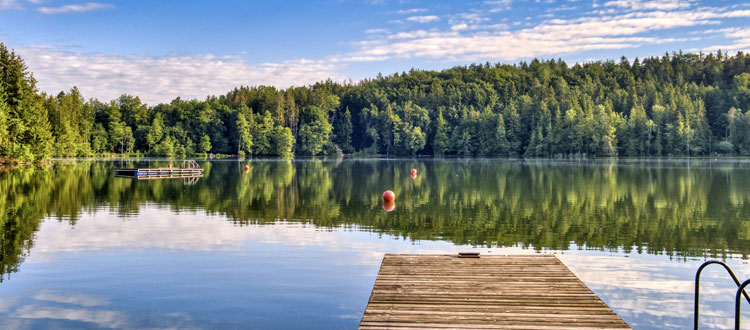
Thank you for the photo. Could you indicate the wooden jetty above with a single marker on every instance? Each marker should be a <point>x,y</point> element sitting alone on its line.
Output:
<point>193,170</point>
<point>483,292</point>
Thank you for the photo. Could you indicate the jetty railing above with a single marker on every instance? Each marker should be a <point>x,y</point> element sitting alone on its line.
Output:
<point>740,292</point>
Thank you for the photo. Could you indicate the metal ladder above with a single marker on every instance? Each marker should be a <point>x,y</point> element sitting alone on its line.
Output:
<point>190,164</point>
<point>737,299</point>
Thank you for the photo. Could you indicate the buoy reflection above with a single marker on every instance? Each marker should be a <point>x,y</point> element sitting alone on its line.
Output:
<point>389,206</point>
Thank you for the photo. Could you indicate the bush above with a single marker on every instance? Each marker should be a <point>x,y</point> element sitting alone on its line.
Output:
<point>725,147</point>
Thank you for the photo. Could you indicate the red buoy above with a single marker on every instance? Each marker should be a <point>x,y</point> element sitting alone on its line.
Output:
<point>170,165</point>
<point>389,196</point>
<point>389,206</point>
<point>247,168</point>
<point>414,172</point>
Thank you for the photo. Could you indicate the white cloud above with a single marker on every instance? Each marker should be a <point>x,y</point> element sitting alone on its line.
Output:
<point>561,8</point>
<point>552,37</point>
<point>161,79</point>
<point>649,5</point>
<point>740,40</point>
<point>76,8</point>
<point>459,27</point>
<point>376,31</point>
<point>423,19</point>
<point>470,17</point>
<point>498,5</point>
<point>10,4</point>
<point>411,11</point>
<point>471,36</point>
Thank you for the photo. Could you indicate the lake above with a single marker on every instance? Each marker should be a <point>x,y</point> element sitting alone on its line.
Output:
<point>297,244</point>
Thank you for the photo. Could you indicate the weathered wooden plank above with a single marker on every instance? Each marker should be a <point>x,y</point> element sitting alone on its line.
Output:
<point>423,326</point>
<point>489,292</point>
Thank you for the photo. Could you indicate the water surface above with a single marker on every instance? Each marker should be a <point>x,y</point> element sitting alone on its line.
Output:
<point>297,244</point>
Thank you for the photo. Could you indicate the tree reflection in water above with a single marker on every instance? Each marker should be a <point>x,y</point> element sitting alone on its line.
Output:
<point>680,208</point>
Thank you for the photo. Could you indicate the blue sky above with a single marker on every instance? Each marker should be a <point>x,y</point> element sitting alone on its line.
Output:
<point>163,49</point>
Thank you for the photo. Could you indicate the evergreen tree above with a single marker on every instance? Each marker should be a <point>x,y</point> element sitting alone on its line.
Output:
<point>441,143</point>
<point>27,121</point>
<point>343,131</point>
<point>678,104</point>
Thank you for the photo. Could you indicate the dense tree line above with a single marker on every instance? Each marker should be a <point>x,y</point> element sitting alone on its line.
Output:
<point>674,105</point>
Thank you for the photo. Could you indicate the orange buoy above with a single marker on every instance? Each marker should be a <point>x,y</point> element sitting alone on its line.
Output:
<point>389,196</point>
<point>389,206</point>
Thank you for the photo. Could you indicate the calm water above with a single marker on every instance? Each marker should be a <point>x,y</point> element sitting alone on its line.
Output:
<point>298,244</point>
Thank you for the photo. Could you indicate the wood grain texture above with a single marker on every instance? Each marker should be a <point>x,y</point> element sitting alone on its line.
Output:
<point>490,292</point>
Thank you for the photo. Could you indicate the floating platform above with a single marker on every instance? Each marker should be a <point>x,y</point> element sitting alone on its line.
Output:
<point>159,173</point>
<point>483,292</point>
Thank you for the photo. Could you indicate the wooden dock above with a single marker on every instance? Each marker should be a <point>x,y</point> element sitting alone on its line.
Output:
<point>489,292</point>
<point>159,173</point>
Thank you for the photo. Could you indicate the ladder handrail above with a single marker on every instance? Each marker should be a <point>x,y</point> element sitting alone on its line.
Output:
<point>698,286</point>
<point>738,303</point>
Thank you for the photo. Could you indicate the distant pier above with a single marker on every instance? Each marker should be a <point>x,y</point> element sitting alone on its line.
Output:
<point>483,292</point>
<point>159,173</point>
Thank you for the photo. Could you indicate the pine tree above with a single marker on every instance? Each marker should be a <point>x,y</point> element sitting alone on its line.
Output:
<point>343,131</point>
<point>441,142</point>
<point>513,128</point>
<point>502,146</point>
<point>27,122</point>
<point>4,138</point>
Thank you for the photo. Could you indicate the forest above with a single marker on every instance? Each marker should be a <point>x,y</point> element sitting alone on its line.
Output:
<point>679,104</point>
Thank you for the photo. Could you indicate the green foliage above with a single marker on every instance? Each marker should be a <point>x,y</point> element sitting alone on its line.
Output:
<point>168,147</point>
<point>205,145</point>
<point>28,132</point>
<point>725,147</point>
<point>4,137</point>
<point>314,134</point>
<point>120,134</point>
<point>343,130</point>
<point>155,131</point>
<point>261,131</point>
<point>244,129</point>
<point>99,139</point>
<point>72,123</point>
<point>739,131</point>
<point>282,142</point>
<point>441,143</point>
<point>674,105</point>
